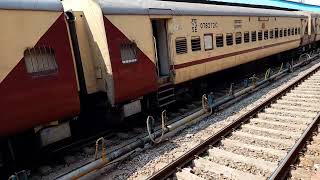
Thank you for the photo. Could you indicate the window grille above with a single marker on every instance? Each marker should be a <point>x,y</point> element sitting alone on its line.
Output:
<point>285,32</point>
<point>266,35</point>
<point>229,39</point>
<point>40,60</point>
<point>128,53</point>
<point>181,45</point>
<point>219,40</point>
<point>276,33</point>
<point>260,35</point>
<point>253,36</point>
<point>271,34</point>
<point>238,38</point>
<point>246,37</point>
<point>195,43</point>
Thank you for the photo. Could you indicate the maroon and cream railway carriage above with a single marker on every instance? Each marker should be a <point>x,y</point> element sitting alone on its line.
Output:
<point>38,83</point>
<point>123,55</point>
<point>138,52</point>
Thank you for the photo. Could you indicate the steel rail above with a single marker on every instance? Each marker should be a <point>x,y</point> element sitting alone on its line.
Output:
<point>285,165</point>
<point>202,147</point>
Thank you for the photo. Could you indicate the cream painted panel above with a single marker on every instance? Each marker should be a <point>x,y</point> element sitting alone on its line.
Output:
<point>181,26</point>
<point>97,41</point>
<point>88,64</point>
<point>137,28</point>
<point>20,30</point>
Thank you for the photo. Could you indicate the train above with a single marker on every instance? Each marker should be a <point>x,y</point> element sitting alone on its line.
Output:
<point>60,58</point>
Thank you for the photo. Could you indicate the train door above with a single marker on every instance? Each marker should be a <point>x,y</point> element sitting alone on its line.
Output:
<point>159,27</point>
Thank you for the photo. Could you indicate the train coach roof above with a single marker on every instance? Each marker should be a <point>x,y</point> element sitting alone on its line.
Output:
<point>44,5</point>
<point>178,8</point>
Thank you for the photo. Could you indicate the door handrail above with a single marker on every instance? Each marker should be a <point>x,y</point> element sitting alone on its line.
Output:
<point>156,54</point>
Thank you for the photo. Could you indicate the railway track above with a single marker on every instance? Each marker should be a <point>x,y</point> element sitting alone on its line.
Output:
<point>86,150</point>
<point>261,144</point>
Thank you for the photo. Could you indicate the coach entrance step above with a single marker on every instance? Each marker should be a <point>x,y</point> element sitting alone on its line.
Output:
<point>166,95</point>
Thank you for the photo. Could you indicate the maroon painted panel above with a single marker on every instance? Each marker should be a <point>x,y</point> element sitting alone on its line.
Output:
<point>131,80</point>
<point>27,101</point>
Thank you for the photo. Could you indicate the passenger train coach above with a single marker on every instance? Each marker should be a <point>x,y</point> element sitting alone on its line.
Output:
<point>59,59</point>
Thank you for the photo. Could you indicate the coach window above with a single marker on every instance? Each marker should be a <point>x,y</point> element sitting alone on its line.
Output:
<point>181,45</point>
<point>266,35</point>
<point>219,40</point>
<point>195,43</point>
<point>260,35</point>
<point>271,34</point>
<point>276,33</point>
<point>229,39</point>
<point>295,31</point>
<point>246,37</point>
<point>289,32</point>
<point>238,38</point>
<point>280,33</point>
<point>40,61</point>
<point>292,31</point>
<point>253,36</point>
<point>128,53</point>
<point>208,42</point>
<point>285,32</point>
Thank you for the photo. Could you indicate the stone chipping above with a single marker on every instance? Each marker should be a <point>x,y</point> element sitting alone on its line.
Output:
<point>151,160</point>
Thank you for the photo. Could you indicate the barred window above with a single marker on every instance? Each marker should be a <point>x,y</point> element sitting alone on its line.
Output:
<point>238,38</point>
<point>280,34</point>
<point>260,35</point>
<point>296,31</point>
<point>292,31</point>
<point>208,41</point>
<point>285,32</point>
<point>229,39</point>
<point>195,43</point>
<point>266,35</point>
<point>289,32</point>
<point>128,53</point>
<point>181,45</point>
<point>253,36</point>
<point>246,37</point>
<point>40,61</point>
<point>219,40</point>
<point>271,34</point>
<point>276,33</point>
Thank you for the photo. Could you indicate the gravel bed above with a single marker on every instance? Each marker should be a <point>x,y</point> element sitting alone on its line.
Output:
<point>151,160</point>
<point>239,166</point>
<point>261,143</point>
<point>268,134</point>
<point>277,127</point>
<point>209,175</point>
<point>308,166</point>
<point>250,153</point>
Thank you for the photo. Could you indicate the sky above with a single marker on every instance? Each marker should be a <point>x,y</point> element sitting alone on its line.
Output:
<point>314,2</point>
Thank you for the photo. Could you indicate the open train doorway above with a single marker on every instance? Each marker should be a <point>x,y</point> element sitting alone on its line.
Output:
<point>159,27</point>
